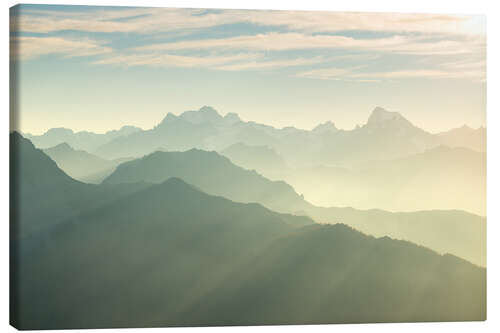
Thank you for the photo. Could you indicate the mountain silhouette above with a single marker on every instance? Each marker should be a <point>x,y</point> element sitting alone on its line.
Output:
<point>466,137</point>
<point>383,118</point>
<point>325,127</point>
<point>265,160</point>
<point>366,279</point>
<point>80,164</point>
<point>445,231</point>
<point>173,133</point>
<point>212,173</point>
<point>83,140</point>
<point>434,179</point>
<point>324,145</point>
<point>170,255</point>
<point>42,194</point>
<point>464,233</point>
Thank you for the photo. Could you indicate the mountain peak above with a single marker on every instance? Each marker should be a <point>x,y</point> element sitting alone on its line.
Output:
<point>208,109</point>
<point>169,117</point>
<point>327,126</point>
<point>176,182</point>
<point>232,118</point>
<point>60,131</point>
<point>61,147</point>
<point>203,115</point>
<point>381,116</point>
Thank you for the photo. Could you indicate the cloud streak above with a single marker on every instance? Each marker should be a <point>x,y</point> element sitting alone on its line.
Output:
<point>26,48</point>
<point>444,46</point>
<point>275,41</point>
<point>171,60</point>
<point>148,20</point>
<point>353,74</point>
<point>271,64</point>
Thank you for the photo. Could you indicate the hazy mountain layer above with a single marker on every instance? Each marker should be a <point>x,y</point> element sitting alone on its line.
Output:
<point>450,231</point>
<point>465,137</point>
<point>386,135</point>
<point>82,165</point>
<point>211,172</point>
<point>262,159</point>
<point>42,194</point>
<point>440,178</point>
<point>173,133</point>
<point>172,255</point>
<point>445,231</point>
<point>325,274</point>
<point>85,140</point>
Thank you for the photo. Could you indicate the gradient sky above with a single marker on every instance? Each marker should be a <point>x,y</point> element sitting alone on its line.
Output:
<point>99,68</point>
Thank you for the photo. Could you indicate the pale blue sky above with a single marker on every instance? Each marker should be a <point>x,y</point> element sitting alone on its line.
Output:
<point>99,68</point>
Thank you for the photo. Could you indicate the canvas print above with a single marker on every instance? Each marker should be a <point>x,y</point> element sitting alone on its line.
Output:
<point>212,167</point>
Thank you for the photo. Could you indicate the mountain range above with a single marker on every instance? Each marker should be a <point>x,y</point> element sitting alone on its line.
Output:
<point>387,163</point>
<point>170,254</point>
<point>465,233</point>
<point>42,194</point>
<point>82,165</point>
<point>83,140</point>
<point>324,145</point>
<point>438,178</point>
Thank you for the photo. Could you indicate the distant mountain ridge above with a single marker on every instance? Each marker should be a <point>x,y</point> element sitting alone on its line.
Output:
<point>433,179</point>
<point>263,159</point>
<point>325,144</point>
<point>466,137</point>
<point>216,175</point>
<point>85,140</point>
<point>82,165</point>
<point>211,172</point>
<point>42,194</point>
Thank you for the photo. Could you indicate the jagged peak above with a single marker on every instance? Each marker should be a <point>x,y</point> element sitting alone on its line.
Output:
<point>381,116</point>
<point>464,129</point>
<point>62,146</point>
<point>169,117</point>
<point>204,114</point>
<point>232,117</point>
<point>59,130</point>
<point>208,109</point>
<point>128,128</point>
<point>326,126</point>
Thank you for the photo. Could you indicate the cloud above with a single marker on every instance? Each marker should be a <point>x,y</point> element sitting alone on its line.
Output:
<point>24,48</point>
<point>352,74</point>
<point>232,62</point>
<point>423,73</point>
<point>275,41</point>
<point>456,38</point>
<point>171,60</point>
<point>147,20</point>
<point>326,73</point>
<point>270,64</point>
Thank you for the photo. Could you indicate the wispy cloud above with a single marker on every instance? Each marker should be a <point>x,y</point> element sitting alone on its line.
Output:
<point>23,48</point>
<point>270,64</point>
<point>147,20</point>
<point>275,41</point>
<point>171,60</point>
<point>327,73</point>
<point>423,73</point>
<point>455,44</point>
<point>232,62</point>
<point>353,74</point>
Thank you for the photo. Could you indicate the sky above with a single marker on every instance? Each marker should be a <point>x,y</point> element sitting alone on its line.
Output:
<point>100,68</point>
